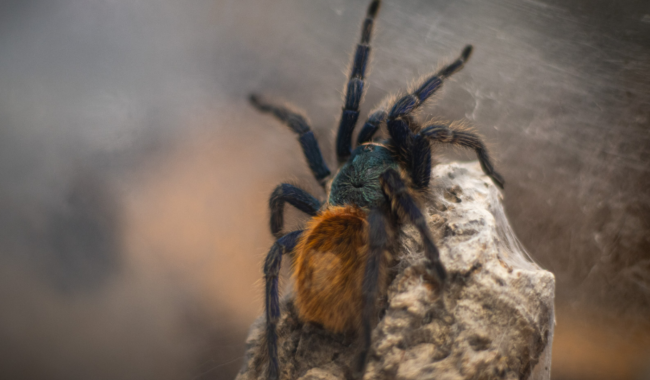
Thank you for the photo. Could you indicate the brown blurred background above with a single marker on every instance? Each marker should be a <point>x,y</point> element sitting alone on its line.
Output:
<point>134,177</point>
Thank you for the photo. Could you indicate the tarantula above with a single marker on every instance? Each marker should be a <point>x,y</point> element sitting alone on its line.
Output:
<point>340,257</point>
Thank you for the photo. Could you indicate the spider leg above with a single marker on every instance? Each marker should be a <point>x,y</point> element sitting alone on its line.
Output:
<point>296,197</point>
<point>413,150</point>
<point>306,137</point>
<point>354,88</point>
<point>378,240</point>
<point>407,103</point>
<point>446,135</point>
<point>282,246</point>
<point>371,126</point>
<point>403,204</point>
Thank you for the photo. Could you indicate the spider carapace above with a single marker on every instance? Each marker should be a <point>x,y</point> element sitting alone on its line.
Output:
<point>340,258</point>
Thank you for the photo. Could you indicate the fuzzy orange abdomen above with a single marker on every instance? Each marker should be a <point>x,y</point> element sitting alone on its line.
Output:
<point>329,265</point>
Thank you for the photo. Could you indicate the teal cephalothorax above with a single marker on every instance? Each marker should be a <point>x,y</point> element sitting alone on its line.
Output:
<point>358,180</point>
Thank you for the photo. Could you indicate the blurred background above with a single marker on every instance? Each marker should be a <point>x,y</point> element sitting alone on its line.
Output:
<point>134,176</point>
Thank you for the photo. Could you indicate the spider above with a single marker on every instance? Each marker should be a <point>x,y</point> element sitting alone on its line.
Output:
<point>340,258</point>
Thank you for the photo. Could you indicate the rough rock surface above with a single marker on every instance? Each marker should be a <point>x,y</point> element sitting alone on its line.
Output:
<point>494,320</point>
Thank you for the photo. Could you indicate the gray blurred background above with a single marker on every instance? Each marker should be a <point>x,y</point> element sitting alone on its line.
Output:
<point>134,176</point>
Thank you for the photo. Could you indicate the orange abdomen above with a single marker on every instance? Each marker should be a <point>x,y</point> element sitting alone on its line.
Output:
<point>329,265</point>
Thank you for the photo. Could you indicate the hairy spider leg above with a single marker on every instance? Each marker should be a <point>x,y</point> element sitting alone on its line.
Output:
<point>445,134</point>
<point>296,197</point>
<point>272,264</point>
<point>414,149</point>
<point>375,119</point>
<point>378,244</point>
<point>409,102</point>
<point>306,137</point>
<point>404,206</point>
<point>371,126</point>
<point>354,88</point>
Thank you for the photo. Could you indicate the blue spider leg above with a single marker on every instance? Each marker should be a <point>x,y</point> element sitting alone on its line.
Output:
<point>446,135</point>
<point>407,103</point>
<point>403,204</point>
<point>414,150</point>
<point>296,197</point>
<point>354,89</point>
<point>272,264</point>
<point>306,137</point>
<point>371,126</point>
<point>378,241</point>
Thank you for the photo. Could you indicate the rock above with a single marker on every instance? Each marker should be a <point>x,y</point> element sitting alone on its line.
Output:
<point>494,319</point>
